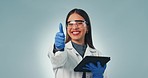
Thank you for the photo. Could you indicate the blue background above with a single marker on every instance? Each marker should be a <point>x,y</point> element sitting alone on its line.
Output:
<point>28,27</point>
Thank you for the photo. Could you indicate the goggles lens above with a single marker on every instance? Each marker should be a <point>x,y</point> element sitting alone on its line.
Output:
<point>79,23</point>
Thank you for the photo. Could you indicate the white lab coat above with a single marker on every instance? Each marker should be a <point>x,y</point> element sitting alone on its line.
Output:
<point>64,62</point>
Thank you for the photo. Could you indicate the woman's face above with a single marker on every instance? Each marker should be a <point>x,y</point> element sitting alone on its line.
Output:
<point>76,28</point>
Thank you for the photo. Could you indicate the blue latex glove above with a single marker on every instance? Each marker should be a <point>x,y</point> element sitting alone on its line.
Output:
<point>97,71</point>
<point>60,38</point>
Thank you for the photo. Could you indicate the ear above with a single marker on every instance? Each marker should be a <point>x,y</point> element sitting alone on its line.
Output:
<point>87,29</point>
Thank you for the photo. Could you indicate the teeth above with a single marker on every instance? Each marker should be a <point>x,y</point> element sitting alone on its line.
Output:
<point>75,32</point>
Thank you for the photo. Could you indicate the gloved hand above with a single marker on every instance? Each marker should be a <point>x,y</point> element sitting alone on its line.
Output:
<point>97,71</point>
<point>60,38</point>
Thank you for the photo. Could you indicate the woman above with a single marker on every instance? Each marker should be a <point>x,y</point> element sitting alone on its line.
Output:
<point>67,55</point>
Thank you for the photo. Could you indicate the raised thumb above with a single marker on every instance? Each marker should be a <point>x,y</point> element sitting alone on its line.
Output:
<point>61,28</point>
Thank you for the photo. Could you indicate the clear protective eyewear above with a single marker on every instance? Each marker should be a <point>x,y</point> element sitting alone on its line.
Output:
<point>78,23</point>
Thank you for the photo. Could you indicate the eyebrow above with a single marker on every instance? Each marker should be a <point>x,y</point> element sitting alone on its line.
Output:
<point>76,21</point>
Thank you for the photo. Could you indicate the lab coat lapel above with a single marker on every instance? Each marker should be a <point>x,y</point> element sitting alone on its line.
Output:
<point>73,52</point>
<point>90,52</point>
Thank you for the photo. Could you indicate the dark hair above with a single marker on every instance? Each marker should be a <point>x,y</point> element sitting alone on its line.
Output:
<point>88,36</point>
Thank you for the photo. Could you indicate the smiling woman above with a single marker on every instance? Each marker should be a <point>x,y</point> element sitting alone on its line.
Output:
<point>28,27</point>
<point>65,56</point>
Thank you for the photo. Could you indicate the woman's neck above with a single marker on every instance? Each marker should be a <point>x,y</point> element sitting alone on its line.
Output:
<point>79,42</point>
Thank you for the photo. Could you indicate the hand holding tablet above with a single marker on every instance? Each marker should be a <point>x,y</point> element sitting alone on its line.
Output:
<point>93,60</point>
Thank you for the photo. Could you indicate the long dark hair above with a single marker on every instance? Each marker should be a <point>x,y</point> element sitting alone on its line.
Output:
<point>88,36</point>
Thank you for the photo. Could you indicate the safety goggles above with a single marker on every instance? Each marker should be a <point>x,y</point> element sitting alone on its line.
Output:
<point>78,23</point>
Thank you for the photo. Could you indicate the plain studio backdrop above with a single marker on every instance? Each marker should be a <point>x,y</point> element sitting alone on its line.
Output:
<point>28,28</point>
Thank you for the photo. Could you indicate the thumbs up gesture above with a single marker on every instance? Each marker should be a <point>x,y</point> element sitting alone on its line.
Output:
<point>60,38</point>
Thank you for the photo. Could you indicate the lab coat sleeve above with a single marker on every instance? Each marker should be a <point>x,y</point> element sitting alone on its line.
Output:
<point>58,59</point>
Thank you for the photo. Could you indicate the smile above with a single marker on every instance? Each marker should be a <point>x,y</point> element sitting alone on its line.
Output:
<point>75,32</point>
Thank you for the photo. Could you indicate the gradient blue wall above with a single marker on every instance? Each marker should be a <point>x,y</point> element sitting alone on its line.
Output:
<point>28,27</point>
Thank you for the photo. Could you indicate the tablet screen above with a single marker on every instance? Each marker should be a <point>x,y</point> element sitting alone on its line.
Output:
<point>91,59</point>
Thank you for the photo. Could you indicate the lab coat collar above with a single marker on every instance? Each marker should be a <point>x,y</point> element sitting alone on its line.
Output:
<point>87,52</point>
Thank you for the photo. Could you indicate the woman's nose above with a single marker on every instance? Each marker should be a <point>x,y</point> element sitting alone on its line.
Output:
<point>75,26</point>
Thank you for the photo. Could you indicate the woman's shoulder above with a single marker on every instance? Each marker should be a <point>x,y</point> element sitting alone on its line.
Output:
<point>68,44</point>
<point>94,50</point>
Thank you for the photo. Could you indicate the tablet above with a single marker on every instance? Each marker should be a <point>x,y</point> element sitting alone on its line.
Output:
<point>91,59</point>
